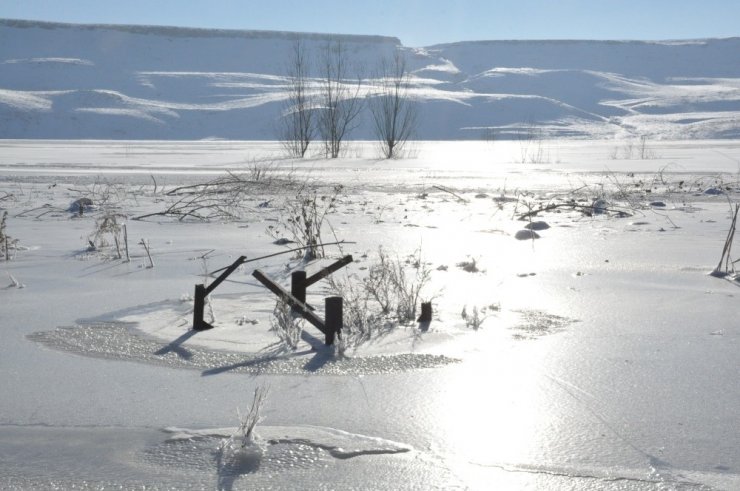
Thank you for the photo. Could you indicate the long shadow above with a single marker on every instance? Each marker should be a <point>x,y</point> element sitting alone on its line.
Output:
<point>100,268</point>
<point>255,362</point>
<point>315,343</point>
<point>318,361</point>
<point>277,351</point>
<point>176,346</point>
<point>138,309</point>
<point>230,467</point>
<point>324,354</point>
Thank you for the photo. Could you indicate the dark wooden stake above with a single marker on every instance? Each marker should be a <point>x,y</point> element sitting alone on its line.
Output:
<point>426,312</point>
<point>333,318</point>
<point>298,286</point>
<point>199,304</point>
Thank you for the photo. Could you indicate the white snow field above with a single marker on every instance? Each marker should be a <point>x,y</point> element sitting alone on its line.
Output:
<point>147,82</point>
<point>604,355</point>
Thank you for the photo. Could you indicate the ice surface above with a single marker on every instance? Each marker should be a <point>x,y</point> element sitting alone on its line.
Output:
<point>116,342</point>
<point>608,359</point>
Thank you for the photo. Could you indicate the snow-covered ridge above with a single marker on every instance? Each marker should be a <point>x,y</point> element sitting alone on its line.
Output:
<point>192,32</point>
<point>73,81</point>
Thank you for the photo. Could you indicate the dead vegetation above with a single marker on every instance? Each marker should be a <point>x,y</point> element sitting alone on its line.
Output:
<point>303,219</point>
<point>223,198</point>
<point>388,296</point>
<point>6,242</point>
<point>286,325</point>
<point>726,266</point>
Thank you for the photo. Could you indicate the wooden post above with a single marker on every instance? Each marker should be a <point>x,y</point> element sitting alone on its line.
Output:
<point>199,304</point>
<point>426,312</point>
<point>333,318</point>
<point>298,285</point>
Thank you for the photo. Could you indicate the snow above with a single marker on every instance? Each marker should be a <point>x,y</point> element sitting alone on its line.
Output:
<point>606,358</point>
<point>147,82</point>
<point>602,355</point>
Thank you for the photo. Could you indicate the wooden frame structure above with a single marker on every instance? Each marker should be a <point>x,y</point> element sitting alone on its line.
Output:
<point>331,326</point>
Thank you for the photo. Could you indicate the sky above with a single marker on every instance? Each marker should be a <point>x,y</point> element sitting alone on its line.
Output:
<point>415,22</point>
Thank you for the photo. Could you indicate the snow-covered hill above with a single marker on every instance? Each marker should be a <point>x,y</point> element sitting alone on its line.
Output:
<point>138,82</point>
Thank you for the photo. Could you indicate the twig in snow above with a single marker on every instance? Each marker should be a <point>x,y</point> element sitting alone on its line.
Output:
<point>145,243</point>
<point>15,283</point>
<point>445,190</point>
<point>729,264</point>
<point>125,242</point>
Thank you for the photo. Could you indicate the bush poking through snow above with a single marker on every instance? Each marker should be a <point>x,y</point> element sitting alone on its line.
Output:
<point>285,325</point>
<point>5,241</point>
<point>247,422</point>
<point>389,295</point>
<point>476,317</point>
<point>241,452</point>
<point>108,232</point>
<point>303,219</point>
<point>379,282</point>
<point>394,288</point>
<point>360,323</point>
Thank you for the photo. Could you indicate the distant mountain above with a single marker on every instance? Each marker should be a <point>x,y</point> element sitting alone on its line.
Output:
<point>145,82</point>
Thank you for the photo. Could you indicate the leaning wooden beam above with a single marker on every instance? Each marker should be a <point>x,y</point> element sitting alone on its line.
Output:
<point>296,304</point>
<point>225,274</point>
<point>320,275</point>
<point>287,252</point>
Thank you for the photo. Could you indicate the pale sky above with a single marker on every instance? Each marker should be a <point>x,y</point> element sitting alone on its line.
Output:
<point>415,22</point>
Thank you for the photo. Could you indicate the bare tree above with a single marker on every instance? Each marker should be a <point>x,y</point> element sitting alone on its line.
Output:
<point>340,104</point>
<point>297,126</point>
<point>394,112</point>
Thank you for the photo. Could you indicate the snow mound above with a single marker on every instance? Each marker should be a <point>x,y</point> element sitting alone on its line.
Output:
<point>337,443</point>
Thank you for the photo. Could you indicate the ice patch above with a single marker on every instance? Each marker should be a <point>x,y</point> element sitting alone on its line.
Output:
<point>119,341</point>
<point>536,323</point>
<point>279,452</point>
<point>337,443</point>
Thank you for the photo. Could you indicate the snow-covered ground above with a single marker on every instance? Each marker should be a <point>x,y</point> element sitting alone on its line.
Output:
<point>606,357</point>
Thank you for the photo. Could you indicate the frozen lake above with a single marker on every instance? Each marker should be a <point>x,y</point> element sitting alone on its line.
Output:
<point>607,360</point>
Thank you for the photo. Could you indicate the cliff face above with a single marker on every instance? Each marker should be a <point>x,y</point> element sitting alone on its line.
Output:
<point>141,82</point>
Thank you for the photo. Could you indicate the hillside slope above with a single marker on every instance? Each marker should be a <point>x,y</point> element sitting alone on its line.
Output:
<point>141,82</point>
